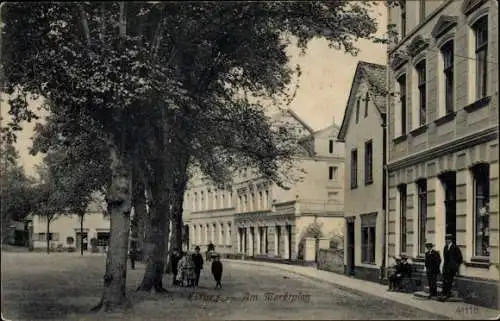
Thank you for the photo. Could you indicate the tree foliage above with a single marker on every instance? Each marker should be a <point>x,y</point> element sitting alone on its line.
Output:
<point>15,186</point>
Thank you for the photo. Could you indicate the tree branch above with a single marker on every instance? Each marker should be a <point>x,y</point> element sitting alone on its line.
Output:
<point>85,24</point>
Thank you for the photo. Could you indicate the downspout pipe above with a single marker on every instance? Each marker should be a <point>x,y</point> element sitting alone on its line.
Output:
<point>385,211</point>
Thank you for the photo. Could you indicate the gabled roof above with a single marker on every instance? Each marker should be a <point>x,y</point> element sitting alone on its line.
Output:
<point>375,75</point>
<point>332,126</point>
<point>294,115</point>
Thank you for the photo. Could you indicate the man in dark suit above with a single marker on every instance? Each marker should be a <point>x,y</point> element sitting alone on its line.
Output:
<point>452,257</point>
<point>198,264</point>
<point>432,262</point>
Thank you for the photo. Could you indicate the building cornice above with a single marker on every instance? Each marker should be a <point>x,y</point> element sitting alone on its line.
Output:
<point>446,148</point>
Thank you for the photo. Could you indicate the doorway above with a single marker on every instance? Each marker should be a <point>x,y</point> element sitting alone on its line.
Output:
<point>186,236</point>
<point>289,236</point>
<point>278,240</point>
<point>449,182</point>
<point>79,238</point>
<point>350,248</point>
<point>252,240</point>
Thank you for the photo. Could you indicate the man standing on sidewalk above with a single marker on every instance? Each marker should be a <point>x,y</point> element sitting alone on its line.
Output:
<point>198,263</point>
<point>452,257</point>
<point>432,262</point>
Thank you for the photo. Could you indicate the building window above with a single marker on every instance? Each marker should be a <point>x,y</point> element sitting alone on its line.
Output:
<point>481,35</point>
<point>422,214</point>
<point>402,95</point>
<point>403,18</point>
<point>481,174</point>
<point>354,168</point>
<point>421,11</point>
<point>357,111</point>
<point>330,172</point>
<point>402,216</point>
<point>448,62</point>
<point>366,105</point>
<point>422,96</point>
<point>330,148</point>
<point>368,162</point>
<point>368,238</point>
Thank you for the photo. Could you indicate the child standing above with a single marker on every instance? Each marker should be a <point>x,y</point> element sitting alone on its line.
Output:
<point>217,270</point>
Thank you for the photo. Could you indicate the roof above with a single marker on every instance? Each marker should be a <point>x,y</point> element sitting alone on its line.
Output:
<point>375,76</point>
<point>333,127</point>
<point>279,114</point>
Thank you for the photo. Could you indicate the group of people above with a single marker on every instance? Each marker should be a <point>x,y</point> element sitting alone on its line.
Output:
<point>452,259</point>
<point>186,269</point>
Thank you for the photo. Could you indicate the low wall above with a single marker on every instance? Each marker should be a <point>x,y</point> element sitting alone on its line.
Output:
<point>263,258</point>
<point>331,260</point>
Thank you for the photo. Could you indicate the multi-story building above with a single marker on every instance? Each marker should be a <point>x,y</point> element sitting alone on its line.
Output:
<point>256,217</point>
<point>363,134</point>
<point>443,137</point>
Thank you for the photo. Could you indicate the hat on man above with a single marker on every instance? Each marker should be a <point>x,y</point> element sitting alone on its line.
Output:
<point>449,237</point>
<point>404,257</point>
<point>429,244</point>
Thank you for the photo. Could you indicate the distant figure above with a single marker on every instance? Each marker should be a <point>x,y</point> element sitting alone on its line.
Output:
<point>210,250</point>
<point>405,266</point>
<point>174,261</point>
<point>198,263</point>
<point>432,262</point>
<point>217,271</point>
<point>395,275</point>
<point>452,257</point>
<point>186,271</point>
<point>133,256</point>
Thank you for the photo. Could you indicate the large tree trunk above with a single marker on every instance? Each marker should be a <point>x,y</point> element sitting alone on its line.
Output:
<point>48,235</point>
<point>180,184</point>
<point>81,233</point>
<point>147,221</point>
<point>119,199</point>
<point>168,245</point>
<point>155,240</point>
<point>140,211</point>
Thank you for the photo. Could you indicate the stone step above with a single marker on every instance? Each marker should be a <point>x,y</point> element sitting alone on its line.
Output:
<point>425,295</point>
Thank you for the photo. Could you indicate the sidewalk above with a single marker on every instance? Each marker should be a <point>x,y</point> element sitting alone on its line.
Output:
<point>452,310</point>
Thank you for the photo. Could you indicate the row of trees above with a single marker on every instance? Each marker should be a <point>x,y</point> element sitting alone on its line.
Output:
<point>61,187</point>
<point>140,94</point>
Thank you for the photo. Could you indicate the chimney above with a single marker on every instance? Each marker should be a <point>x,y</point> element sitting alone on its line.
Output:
<point>333,121</point>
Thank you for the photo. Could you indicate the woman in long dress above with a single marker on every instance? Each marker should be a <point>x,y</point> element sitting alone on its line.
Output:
<point>186,271</point>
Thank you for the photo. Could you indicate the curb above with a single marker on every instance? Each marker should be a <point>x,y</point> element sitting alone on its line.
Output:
<point>345,288</point>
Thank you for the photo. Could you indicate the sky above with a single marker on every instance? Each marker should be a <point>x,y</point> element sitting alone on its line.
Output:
<point>320,100</point>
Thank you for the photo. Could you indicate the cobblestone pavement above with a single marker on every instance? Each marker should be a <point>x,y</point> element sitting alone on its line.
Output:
<point>65,286</point>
